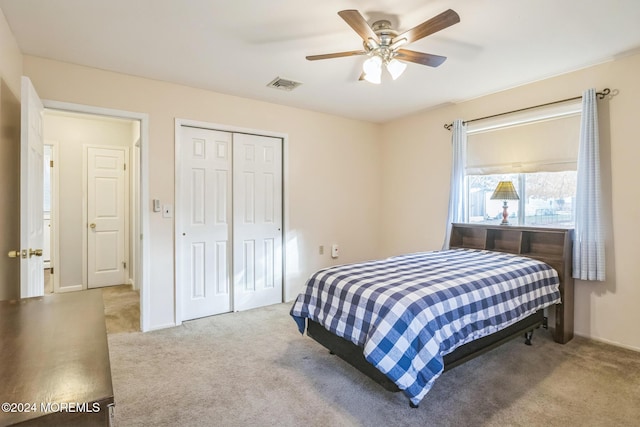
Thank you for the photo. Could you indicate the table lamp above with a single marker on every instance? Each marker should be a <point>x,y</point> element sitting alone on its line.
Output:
<point>505,191</point>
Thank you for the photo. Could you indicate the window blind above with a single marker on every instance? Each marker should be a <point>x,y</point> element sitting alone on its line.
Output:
<point>544,140</point>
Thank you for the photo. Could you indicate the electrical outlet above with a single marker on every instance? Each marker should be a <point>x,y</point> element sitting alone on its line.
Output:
<point>334,251</point>
<point>321,249</point>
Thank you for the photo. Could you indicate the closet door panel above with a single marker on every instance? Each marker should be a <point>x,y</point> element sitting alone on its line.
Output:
<point>257,230</point>
<point>204,230</point>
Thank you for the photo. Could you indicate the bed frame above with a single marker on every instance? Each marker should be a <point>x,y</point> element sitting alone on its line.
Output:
<point>550,245</point>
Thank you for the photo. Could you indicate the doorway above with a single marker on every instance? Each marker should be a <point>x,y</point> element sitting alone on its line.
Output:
<point>134,187</point>
<point>90,237</point>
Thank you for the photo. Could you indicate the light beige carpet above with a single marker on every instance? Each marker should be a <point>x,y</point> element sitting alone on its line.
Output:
<point>254,369</point>
<point>121,309</point>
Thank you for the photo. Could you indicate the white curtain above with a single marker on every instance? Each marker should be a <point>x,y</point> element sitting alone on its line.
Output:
<point>457,203</point>
<point>588,246</point>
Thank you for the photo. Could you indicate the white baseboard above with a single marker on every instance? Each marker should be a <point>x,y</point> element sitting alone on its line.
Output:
<point>163,326</point>
<point>72,288</point>
<point>606,341</point>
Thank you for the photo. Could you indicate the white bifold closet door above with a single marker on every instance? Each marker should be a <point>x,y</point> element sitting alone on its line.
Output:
<point>205,227</point>
<point>230,227</point>
<point>257,221</point>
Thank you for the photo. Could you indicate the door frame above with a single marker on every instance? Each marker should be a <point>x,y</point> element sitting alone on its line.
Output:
<point>55,217</point>
<point>178,214</point>
<point>85,218</point>
<point>143,262</point>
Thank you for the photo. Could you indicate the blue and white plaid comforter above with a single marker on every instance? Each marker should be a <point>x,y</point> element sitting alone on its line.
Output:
<point>408,311</point>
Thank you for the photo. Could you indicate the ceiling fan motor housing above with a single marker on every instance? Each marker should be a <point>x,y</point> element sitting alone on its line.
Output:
<point>385,34</point>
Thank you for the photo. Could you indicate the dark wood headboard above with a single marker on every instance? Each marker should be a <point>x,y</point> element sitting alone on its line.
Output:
<point>550,245</point>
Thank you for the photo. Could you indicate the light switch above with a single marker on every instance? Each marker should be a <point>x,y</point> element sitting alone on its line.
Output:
<point>167,211</point>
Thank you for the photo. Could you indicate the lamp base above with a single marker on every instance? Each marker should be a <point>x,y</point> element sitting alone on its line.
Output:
<point>505,214</point>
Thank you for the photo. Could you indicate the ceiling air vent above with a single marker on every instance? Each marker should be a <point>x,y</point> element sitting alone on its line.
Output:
<point>283,84</point>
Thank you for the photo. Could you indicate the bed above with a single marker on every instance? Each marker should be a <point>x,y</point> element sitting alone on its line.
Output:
<point>404,320</point>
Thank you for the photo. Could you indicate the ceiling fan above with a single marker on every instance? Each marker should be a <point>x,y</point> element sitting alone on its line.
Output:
<point>383,44</point>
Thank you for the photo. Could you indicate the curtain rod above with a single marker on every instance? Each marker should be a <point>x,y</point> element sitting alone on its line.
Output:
<point>600,95</point>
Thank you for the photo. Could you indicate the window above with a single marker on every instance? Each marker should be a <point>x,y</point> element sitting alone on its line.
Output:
<point>537,150</point>
<point>546,198</point>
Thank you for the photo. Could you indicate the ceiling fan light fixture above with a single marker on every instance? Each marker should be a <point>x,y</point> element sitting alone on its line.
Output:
<point>373,65</point>
<point>382,43</point>
<point>373,78</point>
<point>396,68</point>
<point>372,68</point>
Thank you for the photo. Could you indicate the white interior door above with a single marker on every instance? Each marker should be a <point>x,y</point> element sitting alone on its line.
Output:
<point>106,198</point>
<point>31,192</point>
<point>205,222</point>
<point>257,219</point>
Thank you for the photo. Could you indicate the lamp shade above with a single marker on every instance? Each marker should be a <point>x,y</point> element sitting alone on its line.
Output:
<point>374,78</point>
<point>396,68</point>
<point>505,191</point>
<point>372,68</point>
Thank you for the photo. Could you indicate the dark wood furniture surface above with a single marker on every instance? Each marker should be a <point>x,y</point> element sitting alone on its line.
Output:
<point>53,350</point>
<point>550,245</point>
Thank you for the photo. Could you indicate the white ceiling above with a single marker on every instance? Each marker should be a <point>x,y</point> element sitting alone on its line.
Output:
<point>237,47</point>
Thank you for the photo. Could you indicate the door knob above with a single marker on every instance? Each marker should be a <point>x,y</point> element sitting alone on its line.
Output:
<point>92,225</point>
<point>17,254</point>
<point>14,254</point>
<point>36,252</point>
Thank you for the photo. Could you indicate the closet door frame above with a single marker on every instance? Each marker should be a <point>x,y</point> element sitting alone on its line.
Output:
<point>177,197</point>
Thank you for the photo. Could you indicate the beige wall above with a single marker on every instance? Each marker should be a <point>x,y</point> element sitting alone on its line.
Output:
<point>10,57</point>
<point>72,133</point>
<point>332,169</point>
<point>416,172</point>
<point>10,72</point>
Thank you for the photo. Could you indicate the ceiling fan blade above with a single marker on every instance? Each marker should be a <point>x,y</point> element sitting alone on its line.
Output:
<point>359,24</point>
<point>336,55</point>
<point>420,58</point>
<point>433,25</point>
